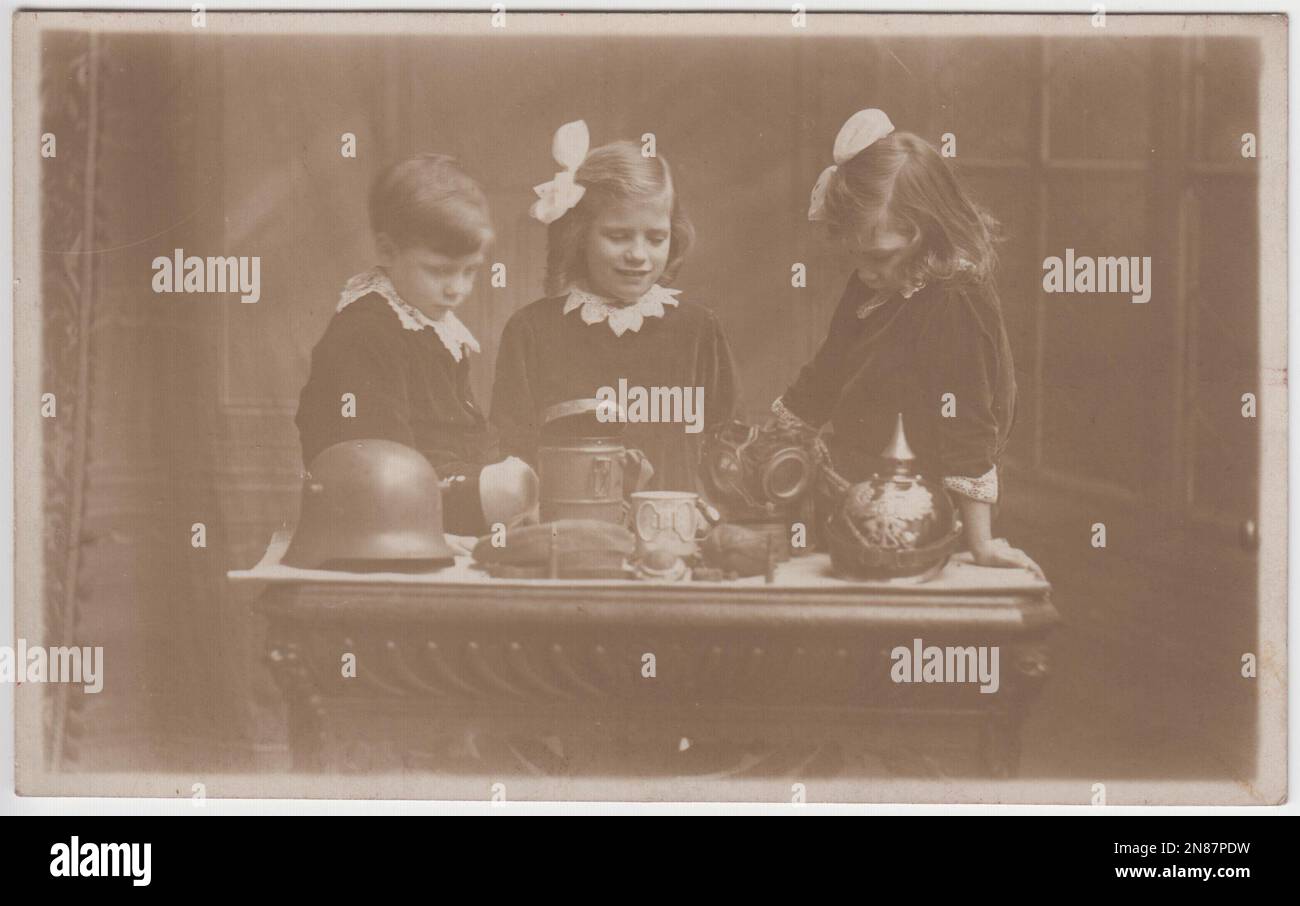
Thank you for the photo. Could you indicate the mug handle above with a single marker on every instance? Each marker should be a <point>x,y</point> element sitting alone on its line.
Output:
<point>706,517</point>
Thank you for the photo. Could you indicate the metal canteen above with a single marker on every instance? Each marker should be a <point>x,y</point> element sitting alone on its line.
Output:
<point>581,477</point>
<point>898,523</point>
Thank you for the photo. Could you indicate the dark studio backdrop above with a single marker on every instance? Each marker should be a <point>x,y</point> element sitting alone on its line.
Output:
<point>219,145</point>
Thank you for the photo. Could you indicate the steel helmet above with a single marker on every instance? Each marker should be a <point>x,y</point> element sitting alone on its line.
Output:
<point>366,504</point>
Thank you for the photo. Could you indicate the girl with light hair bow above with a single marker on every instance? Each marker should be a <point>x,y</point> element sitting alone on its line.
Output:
<point>616,236</point>
<point>918,330</point>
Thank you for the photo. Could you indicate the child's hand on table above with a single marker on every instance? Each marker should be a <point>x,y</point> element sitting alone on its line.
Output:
<point>461,545</point>
<point>998,552</point>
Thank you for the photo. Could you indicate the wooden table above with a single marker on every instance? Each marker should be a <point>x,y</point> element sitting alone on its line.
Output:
<point>458,672</point>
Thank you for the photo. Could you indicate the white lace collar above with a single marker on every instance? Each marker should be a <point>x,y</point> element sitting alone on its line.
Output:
<point>453,334</point>
<point>621,318</point>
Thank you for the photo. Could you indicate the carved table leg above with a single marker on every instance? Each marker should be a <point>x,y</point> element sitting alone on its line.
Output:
<point>306,714</point>
<point>1000,735</point>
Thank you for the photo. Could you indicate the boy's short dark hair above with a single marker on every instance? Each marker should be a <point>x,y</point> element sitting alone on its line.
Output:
<point>429,201</point>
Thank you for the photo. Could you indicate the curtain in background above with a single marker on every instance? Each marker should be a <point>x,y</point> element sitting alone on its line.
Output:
<point>70,82</point>
<point>131,461</point>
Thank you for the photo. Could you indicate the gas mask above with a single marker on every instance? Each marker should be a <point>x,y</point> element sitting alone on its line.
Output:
<point>761,472</point>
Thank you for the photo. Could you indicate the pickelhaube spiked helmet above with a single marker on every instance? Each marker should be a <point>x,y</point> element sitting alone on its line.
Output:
<point>896,523</point>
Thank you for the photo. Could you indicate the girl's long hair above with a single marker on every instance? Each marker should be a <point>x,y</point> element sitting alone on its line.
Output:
<point>902,182</point>
<point>616,172</point>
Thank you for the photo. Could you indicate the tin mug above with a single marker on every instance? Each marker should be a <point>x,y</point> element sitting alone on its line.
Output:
<point>667,521</point>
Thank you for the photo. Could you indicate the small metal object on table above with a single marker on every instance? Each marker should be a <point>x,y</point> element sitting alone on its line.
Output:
<point>459,672</point>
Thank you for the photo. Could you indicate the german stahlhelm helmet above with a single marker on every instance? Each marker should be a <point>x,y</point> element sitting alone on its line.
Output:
<point>897,523</point>
<point>369,504</point>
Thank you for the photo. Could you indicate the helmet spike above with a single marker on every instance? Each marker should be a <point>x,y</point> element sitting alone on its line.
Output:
<point>898,449</point>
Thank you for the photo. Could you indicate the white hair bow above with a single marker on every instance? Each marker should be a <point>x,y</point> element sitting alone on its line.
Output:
<point>859,132</point>
<point>569,148</point>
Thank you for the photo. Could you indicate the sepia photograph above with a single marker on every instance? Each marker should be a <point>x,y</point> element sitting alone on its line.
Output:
<point>652,407</point>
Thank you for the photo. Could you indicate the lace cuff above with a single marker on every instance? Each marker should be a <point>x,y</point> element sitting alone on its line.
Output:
<point>984,488</point>
<point>787,419</point>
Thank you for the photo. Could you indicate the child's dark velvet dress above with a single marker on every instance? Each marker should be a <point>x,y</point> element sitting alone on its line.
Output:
<point>548,357</point>
<point>903,357</point>
<point>410,389</point>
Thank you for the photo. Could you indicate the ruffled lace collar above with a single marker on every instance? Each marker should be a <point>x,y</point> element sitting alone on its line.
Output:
<point>621,318</point>
<point>454,335</point>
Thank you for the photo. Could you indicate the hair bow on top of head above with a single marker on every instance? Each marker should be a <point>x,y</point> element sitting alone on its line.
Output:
<point>859,132</point>
<point>569,148</point>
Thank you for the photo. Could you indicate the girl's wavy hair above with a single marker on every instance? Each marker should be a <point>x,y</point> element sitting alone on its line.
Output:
<point>429,201</point>
<point>902,181</point>
<point>616,172</point>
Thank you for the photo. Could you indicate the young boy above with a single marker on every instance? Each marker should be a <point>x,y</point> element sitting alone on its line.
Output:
<point>393,363</point>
